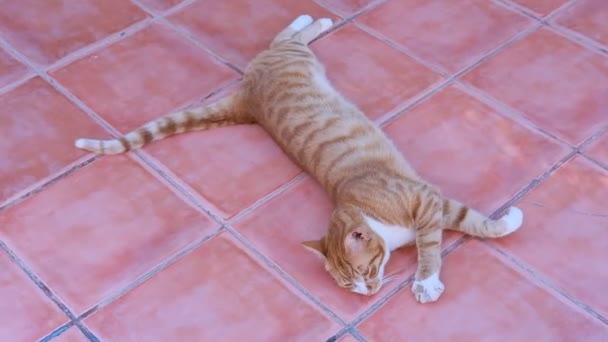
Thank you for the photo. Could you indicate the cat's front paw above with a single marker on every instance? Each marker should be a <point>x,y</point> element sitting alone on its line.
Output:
<point>428,290</point>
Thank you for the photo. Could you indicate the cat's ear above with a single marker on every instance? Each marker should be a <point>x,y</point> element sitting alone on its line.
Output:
<point>315,246</point>
<point>357,240</point>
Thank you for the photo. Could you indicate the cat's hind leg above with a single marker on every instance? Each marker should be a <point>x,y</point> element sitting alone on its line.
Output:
<point>296,26</point>
<point>312,31</point>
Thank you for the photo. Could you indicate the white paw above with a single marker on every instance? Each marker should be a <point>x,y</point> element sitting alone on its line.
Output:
<point>428,290</point>
<point>326,24</point>
<point>301,22</point>
<point>513,219</point>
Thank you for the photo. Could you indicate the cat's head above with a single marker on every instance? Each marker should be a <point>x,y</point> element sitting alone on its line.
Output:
<point>353,254</point>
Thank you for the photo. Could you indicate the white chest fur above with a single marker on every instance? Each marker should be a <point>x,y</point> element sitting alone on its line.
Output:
<point>393,236</point>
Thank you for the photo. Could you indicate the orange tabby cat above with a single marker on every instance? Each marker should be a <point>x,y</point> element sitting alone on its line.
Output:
<point>380,202</point>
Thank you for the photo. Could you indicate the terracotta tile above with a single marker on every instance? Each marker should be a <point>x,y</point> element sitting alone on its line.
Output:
<point>598,150</point>
<point>447,33</point>
<point>482,158</point>
<point>45,31</point>
<point>529,76</point>
<point>71,335</point>
<point>348,7</point>
<point>357,63</point>
<point>11,70</point>
<point>542,7</point>
<point>38,127</point>
<point>240,29</point>
<point>302,213</point>
<point>484,300</point>
<point>218,292</point>
<point>113,220</point>
<point>161,5</point>
<point>26,313</point>
<point>143,77</point>
<point>568,214</point>
<point>588,17</point>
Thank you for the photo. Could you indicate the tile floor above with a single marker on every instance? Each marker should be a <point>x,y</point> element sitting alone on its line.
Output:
<point>197,237</point>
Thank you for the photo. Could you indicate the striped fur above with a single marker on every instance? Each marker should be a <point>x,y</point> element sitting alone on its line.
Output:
<point>380,200</point>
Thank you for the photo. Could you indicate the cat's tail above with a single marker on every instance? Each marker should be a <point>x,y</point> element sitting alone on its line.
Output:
<point>227,111</point>
<point>459,217</point>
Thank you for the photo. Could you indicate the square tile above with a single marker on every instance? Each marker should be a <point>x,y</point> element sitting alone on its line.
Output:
<point>484,300</point>
<point>470,151</point>
<point>566,234</point>
<point>358,63</point>
<point>11,70</point>
<point>598,150</point>
<point>45,31</point>
<point>448,33</point>
<point>348,7</point>
<point>348,338</point>
<point>114,222</point>
<point>587,17</point>
<point>160,5</point>
<point>238,30</point>
<point>71,335</point>
<point>38,127</point>
<point>541,7</point>
<point>26,313</point>
<point>555,83</point>
<point>219,292</point>
<point>143,77</point>
<point>302,213</point>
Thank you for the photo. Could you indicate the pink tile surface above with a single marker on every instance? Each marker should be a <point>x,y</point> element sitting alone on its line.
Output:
<point>446,33</point>
<point>485,298</point>
<point>114,222</point>
<point>205,20</point>
<point>38,126</point>
<point>143,77</point>
<point>11,70</point>
<point>44,38</point>
<point>27,314</point>
<point>587,17</point>
<point>539,64</point>
<point>568,212</point>
<point>217,284</point>
<point>71,335</point>
<point>130,246</point>
<point>349,51</point>
<point>482,158</point>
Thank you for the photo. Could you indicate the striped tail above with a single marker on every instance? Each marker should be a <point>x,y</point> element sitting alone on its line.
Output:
<point>225,112</point>
<point>463,219</point>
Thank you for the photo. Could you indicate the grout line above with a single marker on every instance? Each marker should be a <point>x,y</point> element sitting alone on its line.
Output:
<point>99,44</point>
<point>18,83</point>
<point>451,79</point>
<point>83,329</point>
<point>39,283</point>
<point>535,182</point>
<point>269,197</point>
<point>284,275</point>
<point>504,110</point>
<point>149,274</point>
<point>47,181</point>
<point>578,38</point>
<point>539,278</point>
<point>58,331</point>
<point>162,18</point>
<point>357,334</point>
<point>175,8</point>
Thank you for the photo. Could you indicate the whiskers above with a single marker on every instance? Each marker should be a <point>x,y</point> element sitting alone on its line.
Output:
<point>391,277</point>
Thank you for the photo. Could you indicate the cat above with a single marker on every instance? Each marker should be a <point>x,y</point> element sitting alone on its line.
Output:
<point>380,202</point>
